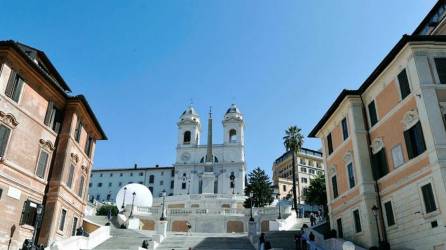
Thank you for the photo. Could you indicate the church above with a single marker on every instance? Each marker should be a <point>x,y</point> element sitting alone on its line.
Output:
<point>210,168</point>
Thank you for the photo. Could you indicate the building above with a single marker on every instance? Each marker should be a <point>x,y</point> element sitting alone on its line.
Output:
<point>47,144</point>
<point>105,183</point>
<point>309,163</point>
<point>384,146</point>
<point>210,168</point>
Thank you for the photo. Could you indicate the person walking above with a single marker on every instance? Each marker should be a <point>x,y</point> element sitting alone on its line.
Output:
<point>189,227</point>
<point>262,241</point>
<point>312,219</point>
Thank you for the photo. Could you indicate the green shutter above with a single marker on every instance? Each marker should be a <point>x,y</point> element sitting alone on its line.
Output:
<point>41,166</point>
<point>10,85</point>
<point>404,84</point>
<point>70,176</point>
<point>428,197</point>
<point>49,112</point>
<point>440,64</point>
<point>4,136</point>
<point>17,88</point>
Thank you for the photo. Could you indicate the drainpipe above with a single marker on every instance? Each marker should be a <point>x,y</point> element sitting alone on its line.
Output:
<point>369,141</point>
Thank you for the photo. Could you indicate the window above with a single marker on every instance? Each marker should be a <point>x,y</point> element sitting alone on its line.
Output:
<point>379,164</point>
<point>109,184</point>
<point>151,179</point>
<point>304,180</point>
<point>440,64</point>
<point>397,156</point>
<point>53,117</point>
<point>357,219</point>
<point>172,173</point>
<point>329,144</point>
<point>151,189</point>
<point>90,184</point>
<point>334,186</point>
<point>162,173</point>
<point>344,128</point>
<point>171,184</point>
<point>428,197</point>
<point>351,175</point>
<point>108,197</point>
<point>62,219</point>
<point>100,184</point>
<point>4,137</point>
<point>141,173</point>
<point>302,161</point>
<point>81,187</point>
<point>311,171</point>
<point>186,137</point>
<point>29,213</point>
<point>404,84</point>
<point>414,139</point>
<point>42,163</point>
<point>88,146</point>
<point>339,224</point>
<point>232,135</point>
<point>70,176</point>
<point>78,130</point>
<point>73,229</point>
<point>120,184</point>
<point>120,174</point>
<point>98,196</point>
<point>284,188</point>
<point>183,185</point>
<point>111,174</point>
<point>389,213</point>
<point>161,183</point>
<point>372,114</point>
<point>100,175</point>
<point>131,174</point>
<point>303,170</point>
<point>14,86</point>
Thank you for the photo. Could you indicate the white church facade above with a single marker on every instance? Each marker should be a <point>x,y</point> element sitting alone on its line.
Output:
<point>210,168</point>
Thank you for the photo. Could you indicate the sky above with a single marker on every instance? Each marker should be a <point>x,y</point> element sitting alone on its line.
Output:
<point>140,63</point>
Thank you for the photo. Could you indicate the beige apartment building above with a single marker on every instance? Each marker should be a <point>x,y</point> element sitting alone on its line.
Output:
<point>47,143</point>
<point>309,163</point>
<point>384,146</point>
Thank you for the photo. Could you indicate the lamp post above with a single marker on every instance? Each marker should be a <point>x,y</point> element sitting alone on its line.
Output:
<point>123,199</point>
<point>133,202</point>
<point>39,212</point>
<point>232,178</point>
<point>163,217</point>
<point>278,202</point>
<point>250,199</point>
<point>375,213</point>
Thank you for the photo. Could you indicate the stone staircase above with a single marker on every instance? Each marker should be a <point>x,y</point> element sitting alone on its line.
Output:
<point>282,239</point>
<point>205,241</point>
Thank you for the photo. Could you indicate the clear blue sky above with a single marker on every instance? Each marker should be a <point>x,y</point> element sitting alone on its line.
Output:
<point>140,62</point>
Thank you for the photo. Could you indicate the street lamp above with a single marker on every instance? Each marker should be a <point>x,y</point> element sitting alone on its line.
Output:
<point>375,213</point>
<point>123,200</point>
<point>39,211</point>
<point>278,202</point>
<point>232,178</point>
<point>163,217</point>
<point>133,202</point>
<point>251,195</point>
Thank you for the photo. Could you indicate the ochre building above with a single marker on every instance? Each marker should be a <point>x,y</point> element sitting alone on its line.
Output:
<point>384,146</point>
<point>47,143</point>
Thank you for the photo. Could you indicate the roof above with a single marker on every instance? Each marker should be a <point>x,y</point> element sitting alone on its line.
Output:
<point>428,18</point>
<point>84,101</point>
<point>131,168</point>
<point>43,64</point>
<point>375,73</point>
<point>306,151</point>
<point>232,109</point>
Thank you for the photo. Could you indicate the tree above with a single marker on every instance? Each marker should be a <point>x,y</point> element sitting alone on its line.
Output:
<point>260,186</point>
<point>316,192</point>
<point>104,210</point>
<point>293,141</point>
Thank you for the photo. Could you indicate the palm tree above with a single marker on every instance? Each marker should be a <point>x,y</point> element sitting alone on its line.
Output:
<point>293,141</point>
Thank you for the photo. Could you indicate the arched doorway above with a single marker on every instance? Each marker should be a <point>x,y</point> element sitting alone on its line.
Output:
<point>264,226</point>
<point>234,227</point>
<point>148,224</point>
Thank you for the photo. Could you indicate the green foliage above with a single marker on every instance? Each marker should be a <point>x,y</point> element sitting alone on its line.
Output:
<point>105,208</point>
<point>260,186</point>
<point>316,192</point>
<point>293,139</point>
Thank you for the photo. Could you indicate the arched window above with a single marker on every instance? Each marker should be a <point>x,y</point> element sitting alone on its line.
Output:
<point>186,137</point>
<point>232,135</point>
<point>151,178</point>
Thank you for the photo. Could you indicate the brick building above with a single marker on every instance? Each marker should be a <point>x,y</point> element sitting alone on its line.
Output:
<point>47,143</point>
<point>385,146</point>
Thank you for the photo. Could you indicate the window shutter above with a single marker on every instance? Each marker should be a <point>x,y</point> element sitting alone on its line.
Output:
<point>43,160</point>
<point>18,89</point>
<point>419,138</point>
<point>4,136</point>
<point>10,84</point>
<point>409,146</point>
<point>440,64</point>
<point>49,113</point>
<point>404,84</point>
<point>24,212</point>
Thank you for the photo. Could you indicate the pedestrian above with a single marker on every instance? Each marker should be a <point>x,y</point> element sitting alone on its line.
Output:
<point>267,245</point>
<point>262,241</point>
<point>297,239</point>
<point>189,226</point>
<point>312,219</point>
